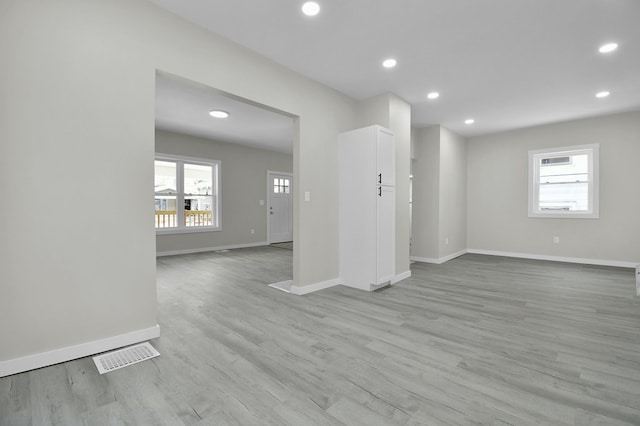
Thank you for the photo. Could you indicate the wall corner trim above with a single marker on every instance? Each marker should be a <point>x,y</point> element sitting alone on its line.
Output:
<point>439,260</point>
<point>401,276</point>
<point>310,288</point>
<point>44,359</point>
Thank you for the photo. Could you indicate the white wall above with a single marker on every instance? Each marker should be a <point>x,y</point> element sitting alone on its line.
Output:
<point>243,181</point>
<point>439,227</point>
<point>400,123</point>
<point>453,193</point>
<point>497,192</point>
<point>77,103</point>
<point>426,192</point>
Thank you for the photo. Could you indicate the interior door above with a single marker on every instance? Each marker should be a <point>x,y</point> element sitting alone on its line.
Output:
<point>385,158</point>
<point>280,207</point>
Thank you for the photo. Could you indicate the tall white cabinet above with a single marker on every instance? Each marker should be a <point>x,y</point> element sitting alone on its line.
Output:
<point>367,207</point>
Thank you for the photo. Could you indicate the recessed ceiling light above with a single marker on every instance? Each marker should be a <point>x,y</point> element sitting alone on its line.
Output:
<point>609,47</point>
<point>469,121</point>
<point>602,94</point>
<point>433,95</point>
<point>311,8</point>
<point>389,63</point>
<point>219,114</point>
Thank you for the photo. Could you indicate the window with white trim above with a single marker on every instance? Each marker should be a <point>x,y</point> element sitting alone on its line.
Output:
<point>563,182</point>
<point>187,195</point>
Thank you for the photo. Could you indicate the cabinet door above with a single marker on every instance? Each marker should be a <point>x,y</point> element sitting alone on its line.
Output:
<point>385,158</point>
<point>385,234</point>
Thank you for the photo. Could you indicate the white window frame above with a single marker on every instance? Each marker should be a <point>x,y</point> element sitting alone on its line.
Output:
<point>593,153</point>
<point>180,195</point>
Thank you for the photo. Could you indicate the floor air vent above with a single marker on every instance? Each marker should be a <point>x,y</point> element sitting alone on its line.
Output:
<point>124,357</point>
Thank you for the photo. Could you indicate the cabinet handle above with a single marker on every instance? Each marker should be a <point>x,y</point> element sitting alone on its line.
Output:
<point>379,191</point>
<point>380,178</point>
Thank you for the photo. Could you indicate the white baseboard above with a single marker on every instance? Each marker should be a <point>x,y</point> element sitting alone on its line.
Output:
<point>402,276</point>
<point>425,259</point>
<point>306,289</point>
<point>598,262</point>
<point>205,249</point>
<point>440,260</point>
<point>44,359</point>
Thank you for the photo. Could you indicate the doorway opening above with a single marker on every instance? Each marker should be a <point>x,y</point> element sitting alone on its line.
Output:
<point>250,143</point>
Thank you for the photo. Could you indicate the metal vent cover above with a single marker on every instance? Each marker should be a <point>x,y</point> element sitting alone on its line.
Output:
<point>124,357</point>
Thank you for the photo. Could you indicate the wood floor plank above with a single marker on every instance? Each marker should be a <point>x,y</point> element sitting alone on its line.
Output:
<point>478,340</point>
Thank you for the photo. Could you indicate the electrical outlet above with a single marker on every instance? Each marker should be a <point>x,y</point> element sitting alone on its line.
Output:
<point>556,240</point>
<point>253,231</point>
<point>446,241</point>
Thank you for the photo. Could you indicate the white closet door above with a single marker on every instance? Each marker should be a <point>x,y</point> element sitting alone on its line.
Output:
<point>385,224</point>
<point>385,158</point>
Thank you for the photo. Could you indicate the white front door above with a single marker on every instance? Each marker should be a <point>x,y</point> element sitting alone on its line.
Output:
<point>280,187</point>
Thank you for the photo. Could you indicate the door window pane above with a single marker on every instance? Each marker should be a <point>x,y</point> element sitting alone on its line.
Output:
<point>281,186</point>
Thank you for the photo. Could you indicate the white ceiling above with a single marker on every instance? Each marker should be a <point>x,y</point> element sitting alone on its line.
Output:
<point>505,63</point>
<point>183,106</point>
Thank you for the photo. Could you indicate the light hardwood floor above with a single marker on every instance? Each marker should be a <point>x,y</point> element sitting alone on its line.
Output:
<point>479,340</point>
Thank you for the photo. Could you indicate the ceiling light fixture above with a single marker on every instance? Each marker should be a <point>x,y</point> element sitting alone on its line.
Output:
<point>219,114</point>
<point>469,121</point>
<point>311,8</point>
<point>389,63</point>
<point>609,47</point>
<point>602,94</point>
<point>433,95</point>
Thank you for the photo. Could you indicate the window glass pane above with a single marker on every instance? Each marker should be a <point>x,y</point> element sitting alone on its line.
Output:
<point>198,179</point>
<point>165,211</point>
<point>564,183</point>
<point>198,210</point>
<point>165,202</point>
<point>564,196</point>
<point>165,177</point>
<point>577,167</point>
